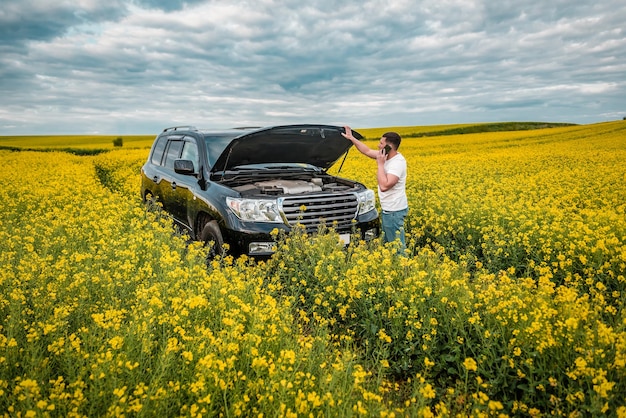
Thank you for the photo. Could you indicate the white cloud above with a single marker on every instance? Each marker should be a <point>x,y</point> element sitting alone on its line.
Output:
<point>135,66</point>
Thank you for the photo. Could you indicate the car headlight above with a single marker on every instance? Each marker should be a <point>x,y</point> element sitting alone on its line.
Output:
<point>367,201</point>
<point>255,210</point>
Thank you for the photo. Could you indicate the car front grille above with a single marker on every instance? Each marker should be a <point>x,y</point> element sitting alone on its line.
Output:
<point>332,210</point>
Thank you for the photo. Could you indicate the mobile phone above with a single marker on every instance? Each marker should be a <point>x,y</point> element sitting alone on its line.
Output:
<point>387,149</point>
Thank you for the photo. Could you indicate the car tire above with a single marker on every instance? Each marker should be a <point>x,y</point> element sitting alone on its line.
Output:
<point>212,236</point>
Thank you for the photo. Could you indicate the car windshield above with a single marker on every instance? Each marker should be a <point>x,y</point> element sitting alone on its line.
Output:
<point>217,143</point>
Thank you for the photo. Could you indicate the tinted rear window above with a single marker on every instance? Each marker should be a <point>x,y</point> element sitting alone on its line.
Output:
<point>157,153</point>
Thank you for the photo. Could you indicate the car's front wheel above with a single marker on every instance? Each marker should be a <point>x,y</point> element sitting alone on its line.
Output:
<point>212,238</point>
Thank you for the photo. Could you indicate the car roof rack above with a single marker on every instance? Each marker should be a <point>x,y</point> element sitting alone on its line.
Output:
<point>181,128</point>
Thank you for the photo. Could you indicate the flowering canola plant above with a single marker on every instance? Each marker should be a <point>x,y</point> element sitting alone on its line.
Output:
<point>509,300</point>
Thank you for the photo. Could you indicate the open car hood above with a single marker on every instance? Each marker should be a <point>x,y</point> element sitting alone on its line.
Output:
<point>318,145</point>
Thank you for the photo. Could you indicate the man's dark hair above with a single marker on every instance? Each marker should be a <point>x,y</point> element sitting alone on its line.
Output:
<point>393,138</point>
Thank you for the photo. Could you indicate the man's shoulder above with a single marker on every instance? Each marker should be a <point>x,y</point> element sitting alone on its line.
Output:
<point>396,165</point>
<point>398,159</point>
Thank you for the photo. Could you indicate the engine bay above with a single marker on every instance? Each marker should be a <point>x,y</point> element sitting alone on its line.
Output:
<point>294,186</point>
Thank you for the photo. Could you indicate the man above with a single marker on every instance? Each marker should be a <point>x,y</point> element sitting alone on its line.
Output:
<point>391,177</point>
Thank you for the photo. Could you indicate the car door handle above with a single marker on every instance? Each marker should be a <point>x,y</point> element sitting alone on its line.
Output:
<point>174,185</point>
<point>155,179</point>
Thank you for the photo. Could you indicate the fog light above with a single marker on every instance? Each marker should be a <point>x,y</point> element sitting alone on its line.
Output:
<point>370,234</point>
<point>261,248</point>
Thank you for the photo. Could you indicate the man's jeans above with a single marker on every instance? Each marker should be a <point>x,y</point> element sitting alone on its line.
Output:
<point>393,226</point>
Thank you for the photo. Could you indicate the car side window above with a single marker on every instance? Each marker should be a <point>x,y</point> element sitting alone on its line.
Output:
<point>157,153</point>
<point>172,153</point>
<point>190,152</point>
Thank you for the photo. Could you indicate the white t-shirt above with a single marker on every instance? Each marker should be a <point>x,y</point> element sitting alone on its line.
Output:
<point>395,198</point>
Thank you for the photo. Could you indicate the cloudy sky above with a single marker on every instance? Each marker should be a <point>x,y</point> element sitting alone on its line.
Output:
<point>137,66</point>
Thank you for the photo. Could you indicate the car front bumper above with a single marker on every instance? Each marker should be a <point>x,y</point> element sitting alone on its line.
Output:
<point>257,240</point>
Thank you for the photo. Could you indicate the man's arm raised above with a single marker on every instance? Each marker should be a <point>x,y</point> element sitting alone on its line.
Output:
<point>364,149</point>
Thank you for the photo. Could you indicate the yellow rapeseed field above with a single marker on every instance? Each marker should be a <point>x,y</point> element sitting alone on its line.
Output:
<point>74,142</point>
<point>509,301</point>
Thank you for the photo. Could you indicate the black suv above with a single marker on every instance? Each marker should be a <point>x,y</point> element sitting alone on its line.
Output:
<point>238,185</point>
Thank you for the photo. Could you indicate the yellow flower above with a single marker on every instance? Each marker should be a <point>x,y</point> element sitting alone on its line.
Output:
<point>187,355</point>
<point>470,364</point>
<point>427,391</point>
<point>116,342</point>
<point>382,335</point>
<point>495,405</point>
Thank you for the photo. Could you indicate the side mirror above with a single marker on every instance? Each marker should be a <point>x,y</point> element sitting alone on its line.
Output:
<point>184,167</point>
